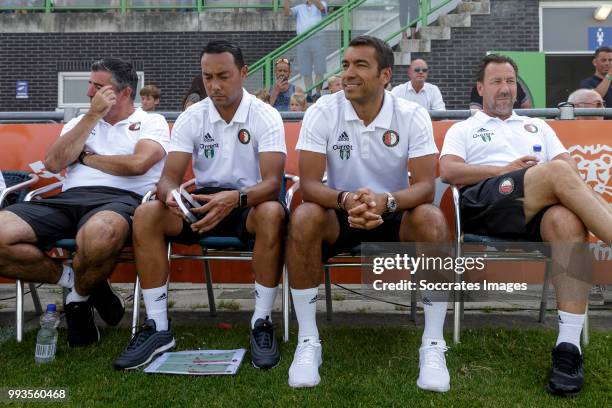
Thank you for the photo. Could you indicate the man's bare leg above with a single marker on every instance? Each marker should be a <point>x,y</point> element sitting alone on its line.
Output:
<point>556,182</point>
<point>20,258</point>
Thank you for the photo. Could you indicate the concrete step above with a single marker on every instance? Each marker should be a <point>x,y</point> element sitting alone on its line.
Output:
<point>455,20</point>
<point>435,33</point>
<point>415,45</point>
<point>401,58</point>
<point>474,7</point>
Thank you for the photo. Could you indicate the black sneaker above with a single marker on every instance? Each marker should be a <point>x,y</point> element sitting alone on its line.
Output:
<point>567,377</point>
<point>264,348</point>
<point>146,344</point>
<point>82,330</point>
<point>108,303</point>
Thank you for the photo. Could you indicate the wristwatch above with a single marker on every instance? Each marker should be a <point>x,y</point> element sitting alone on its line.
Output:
<point>242,199</point>
<point>391,203</point>
<point>83,155</point>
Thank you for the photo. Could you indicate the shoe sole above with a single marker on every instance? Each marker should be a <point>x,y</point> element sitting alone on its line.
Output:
<point>435,389</point>
<point>304,385</point>
<point>266,368</point>
<point>155,353</point>
<point>562,393</point>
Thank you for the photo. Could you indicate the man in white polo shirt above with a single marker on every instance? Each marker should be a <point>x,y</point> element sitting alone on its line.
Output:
<point>236,144</point>
<point>367,139</point>
<point>520,182</point>
<point>112,156</point>
<point>418,90</point>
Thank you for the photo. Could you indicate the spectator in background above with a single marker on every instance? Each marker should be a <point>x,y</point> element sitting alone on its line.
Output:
<point>282,90</point>
<point>149,97</point>
<point>195,93</point>
<point>587,98</point>
<point>522,100</point>
<point>334,84</point>
<point>263,95</point>
<point>601,79</point>
<point>297,103</point>
<point>408,8</point>
<point>418,90</point>
<point>311,52</point>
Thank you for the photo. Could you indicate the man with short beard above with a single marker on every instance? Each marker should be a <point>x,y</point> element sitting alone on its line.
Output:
<point>602,78</point>
<point>508,192</point>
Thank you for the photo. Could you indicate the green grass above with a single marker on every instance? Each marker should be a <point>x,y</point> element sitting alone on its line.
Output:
<point>362,367</point>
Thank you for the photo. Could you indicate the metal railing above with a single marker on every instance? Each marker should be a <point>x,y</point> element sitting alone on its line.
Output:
<point>342,24</point>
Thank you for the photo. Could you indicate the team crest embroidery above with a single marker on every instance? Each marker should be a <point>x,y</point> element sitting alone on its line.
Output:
<point>390,138</point>
<point>135,126</point>
<point>506,186</point>
<point>484,134</point>
<point>344,150</point>
<point>244,136</point>
<point>345,154</point>
<point>531,128</point>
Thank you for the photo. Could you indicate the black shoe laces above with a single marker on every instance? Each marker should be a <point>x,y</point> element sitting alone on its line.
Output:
<point>263,336</point>
<point>566,362</point>
<point>140,337</point>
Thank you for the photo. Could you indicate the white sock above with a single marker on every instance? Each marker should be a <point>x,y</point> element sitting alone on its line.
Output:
<point>305,303</point>
<point>67,278</point>
<point>570,326</point>
<point>73,296</point>
<point>435,313</point>
<point>264,302</point>
<point>156,303</point>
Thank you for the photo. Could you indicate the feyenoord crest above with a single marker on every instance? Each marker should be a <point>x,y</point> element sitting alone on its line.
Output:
<point>135,126</point>
<point>506,186</point>
<point>390,138</point>
<point>209,152</point>
<point>244,136</point>
<point>345,154</point>
<point>531,128</point>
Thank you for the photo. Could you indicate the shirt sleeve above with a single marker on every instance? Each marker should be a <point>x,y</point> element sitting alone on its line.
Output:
<point>184,133</point>
<point>273,132</point>
<point>397,90</point>
<point>156,128</point>
<point>295,10</point>
<point>437,103</point>
<point>554,147</point>
<point>71,124</point>
<point>314,131</point>
<point>454,142</point>
<point>324,3</point>
<point>421,135</point>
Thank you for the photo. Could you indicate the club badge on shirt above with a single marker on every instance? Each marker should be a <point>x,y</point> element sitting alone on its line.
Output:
<point>531,128</point>
<point>244,136</point>
<point>135,126</point>
<point>506,186</point>
<point>390,138</point>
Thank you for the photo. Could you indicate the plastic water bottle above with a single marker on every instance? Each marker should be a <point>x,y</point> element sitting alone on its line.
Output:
<point>47,336</point>
<point>537,152</point>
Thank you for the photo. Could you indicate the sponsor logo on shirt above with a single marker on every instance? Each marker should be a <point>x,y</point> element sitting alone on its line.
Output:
<point>344,150</point>
<point>390,138</point>
<point>484,134</point>
<point>135,126</point>
<point>343,137</point>
<point>208,146</point>
<point>531,128</point>
<point>244,136</point>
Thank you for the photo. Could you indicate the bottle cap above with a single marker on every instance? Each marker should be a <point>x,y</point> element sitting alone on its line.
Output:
<point>51,308</point>
<point>537,148</point>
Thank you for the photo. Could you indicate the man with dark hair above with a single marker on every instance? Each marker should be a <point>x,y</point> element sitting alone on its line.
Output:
<point>282,90</point>
<point>602,78</point>
<point>366,138</point>
<point>236,145</point>
<point>510,192</point>
<point>112,156</point>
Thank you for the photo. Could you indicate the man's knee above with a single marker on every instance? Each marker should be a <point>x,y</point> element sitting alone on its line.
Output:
<point>307,222</point>
<point>561,224</point>
<point>427,223</point>
<point>14,230</point>
<point>269,216</point>
<point>103,234</point>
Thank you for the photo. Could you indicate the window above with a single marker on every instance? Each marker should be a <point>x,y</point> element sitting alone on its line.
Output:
<point>72,89</point>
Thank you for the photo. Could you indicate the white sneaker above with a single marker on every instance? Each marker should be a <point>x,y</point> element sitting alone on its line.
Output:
<point>304,370</point>
<point>433,374</point>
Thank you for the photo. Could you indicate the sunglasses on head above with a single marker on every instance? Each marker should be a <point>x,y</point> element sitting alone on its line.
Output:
<point>421,69</point>
<point>282,60</point>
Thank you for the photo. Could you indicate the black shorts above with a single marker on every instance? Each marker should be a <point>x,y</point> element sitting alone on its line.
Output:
<point>349,237</point>
<point>494,207</point>
<point>62,215</point>
<point>234,225</point>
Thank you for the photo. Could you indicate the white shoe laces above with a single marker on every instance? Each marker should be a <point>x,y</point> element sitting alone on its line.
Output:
<point>433,357</point>
<point>305,353</point>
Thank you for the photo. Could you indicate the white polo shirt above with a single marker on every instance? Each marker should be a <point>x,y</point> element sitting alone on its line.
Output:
<point>486,140</point>
<point>374,156</point>
<point>307,15</point>
<point>120,138</point>
<point>428,97</point>
<point>227,154</point>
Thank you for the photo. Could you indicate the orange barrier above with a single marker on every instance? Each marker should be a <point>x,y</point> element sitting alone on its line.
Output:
<point>23,146</point>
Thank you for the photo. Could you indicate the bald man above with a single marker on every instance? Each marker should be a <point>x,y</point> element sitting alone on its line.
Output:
<point>417,90</point>
<point>587,98</point>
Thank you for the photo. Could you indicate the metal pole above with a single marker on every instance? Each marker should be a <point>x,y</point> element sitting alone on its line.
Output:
<point>425,7</point>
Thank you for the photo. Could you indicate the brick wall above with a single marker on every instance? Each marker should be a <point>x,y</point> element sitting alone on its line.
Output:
<point>513,25</point>
<point>169,60</point>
